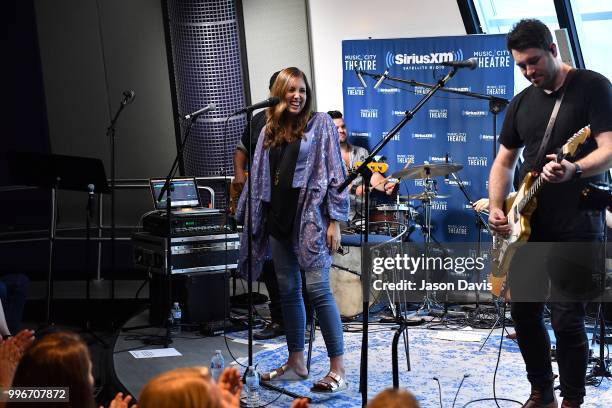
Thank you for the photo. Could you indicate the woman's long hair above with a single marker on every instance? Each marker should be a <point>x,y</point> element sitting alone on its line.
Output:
<point>282,127</point>
<point>59,359</point>
<point>190,387</point>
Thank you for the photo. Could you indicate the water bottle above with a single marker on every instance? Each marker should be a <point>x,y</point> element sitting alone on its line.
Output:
<point>217,364</point>
<point>175,318</point>
<point>252,387</point>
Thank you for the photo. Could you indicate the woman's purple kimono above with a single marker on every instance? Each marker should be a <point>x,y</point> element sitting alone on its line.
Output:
<point>318,177</point>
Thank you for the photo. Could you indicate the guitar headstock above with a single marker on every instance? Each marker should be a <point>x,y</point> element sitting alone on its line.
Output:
<point>578,138</point>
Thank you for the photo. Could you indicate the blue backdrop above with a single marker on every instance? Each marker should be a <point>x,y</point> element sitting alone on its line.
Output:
<point>448,124</point>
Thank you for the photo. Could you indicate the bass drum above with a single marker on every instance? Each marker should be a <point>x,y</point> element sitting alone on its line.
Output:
<point>345,282</point>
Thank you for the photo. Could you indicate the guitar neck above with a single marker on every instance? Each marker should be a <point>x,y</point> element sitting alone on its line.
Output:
<point>531,192</point>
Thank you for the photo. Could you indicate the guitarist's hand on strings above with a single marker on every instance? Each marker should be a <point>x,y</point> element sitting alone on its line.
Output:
<point>557,172</point>
<point>498,222</point>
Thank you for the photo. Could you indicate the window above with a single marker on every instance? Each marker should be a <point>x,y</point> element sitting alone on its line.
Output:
<point>498,16</point>
<point>593,20</point>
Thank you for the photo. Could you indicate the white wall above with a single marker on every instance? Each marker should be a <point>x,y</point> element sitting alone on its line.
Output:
<point>276,34</point>
<point>334,21</point>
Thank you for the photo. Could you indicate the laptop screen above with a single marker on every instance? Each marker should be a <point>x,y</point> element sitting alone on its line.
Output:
<point>184,194</point>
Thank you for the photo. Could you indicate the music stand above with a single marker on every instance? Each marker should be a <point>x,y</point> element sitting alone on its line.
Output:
<point>56,172</point>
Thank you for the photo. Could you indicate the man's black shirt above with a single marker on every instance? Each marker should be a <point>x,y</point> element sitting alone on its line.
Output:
<point>587,100</point>
<point>257,124</point>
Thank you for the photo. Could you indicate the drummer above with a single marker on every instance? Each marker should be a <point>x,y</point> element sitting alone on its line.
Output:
<point>352,154</point>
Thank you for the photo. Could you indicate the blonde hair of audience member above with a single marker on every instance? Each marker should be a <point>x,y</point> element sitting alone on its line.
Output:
<point>393,398</point>
<point>58,360</point>
<point>190,387</point>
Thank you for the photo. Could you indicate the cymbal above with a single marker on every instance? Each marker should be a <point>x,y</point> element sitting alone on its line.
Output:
<point>427,170</point>
<point>423,196</point>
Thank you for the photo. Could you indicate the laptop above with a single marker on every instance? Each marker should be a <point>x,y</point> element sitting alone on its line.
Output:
<point>185,197</point>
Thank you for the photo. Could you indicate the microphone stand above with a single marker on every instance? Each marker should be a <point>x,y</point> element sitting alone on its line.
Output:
<point>110,132</point>
<point>408,115</point>
<point>168,188</point>
<point>480,224</point>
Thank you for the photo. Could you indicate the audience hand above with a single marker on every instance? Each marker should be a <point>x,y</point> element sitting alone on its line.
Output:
<point>120,402</point>
<point>11,352</point>
<point>300,403</point>
<point>230,385</point>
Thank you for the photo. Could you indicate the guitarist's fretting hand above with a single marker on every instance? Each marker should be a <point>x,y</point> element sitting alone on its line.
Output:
<point>554,172</point>
<point>498,222</point>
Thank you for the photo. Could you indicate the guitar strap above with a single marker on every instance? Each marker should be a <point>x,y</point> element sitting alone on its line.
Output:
<point>553,117</point>
<point>549,127</point>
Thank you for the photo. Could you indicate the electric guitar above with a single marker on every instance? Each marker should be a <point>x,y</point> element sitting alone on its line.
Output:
<point>518,207</point>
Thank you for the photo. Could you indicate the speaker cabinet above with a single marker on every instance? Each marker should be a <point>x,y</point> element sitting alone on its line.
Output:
<point>203,296</point>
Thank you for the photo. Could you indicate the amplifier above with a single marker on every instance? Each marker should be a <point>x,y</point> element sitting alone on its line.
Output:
<point>204,253</point>
<point>204,222</point>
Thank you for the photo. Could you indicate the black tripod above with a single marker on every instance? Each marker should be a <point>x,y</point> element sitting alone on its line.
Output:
<point>408,115</point>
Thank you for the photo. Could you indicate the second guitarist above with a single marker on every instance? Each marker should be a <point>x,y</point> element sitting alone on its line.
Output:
<point>587,99</point>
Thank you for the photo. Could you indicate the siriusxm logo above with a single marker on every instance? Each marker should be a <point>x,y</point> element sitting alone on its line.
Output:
<point>360,134</point>
<point>439,205</point>
<point>486,137</point>
<point>355,91</point>
<point>437,159</point>
<point>423,135</point>
<point>457,137</point>
<point>388,90</point>
<point>405,158</point>
<point>462,89</point>
<point>369,113</point>
<point>480,161</point>
<point>438,113</point>
<point>496,89</point>
<point>415,59</point>
<point>398,113</point>
<point>452,182</point>
<point>395,138</point>
<point>474,114</point>
<point>457,229</point>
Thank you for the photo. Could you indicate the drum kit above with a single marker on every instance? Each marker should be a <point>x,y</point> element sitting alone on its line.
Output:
<point>388,223</point>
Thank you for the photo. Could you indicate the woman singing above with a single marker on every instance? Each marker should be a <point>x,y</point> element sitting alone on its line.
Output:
<point>296,208</point>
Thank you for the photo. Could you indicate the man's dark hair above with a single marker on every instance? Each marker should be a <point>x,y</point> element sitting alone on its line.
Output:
<point>529,33</point>
<point>335,114</point>
<point>273,79</point>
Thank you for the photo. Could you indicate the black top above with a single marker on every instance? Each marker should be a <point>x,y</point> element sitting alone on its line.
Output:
<point>587,100</point>
<point>284,198</point>
<point>257,124</point>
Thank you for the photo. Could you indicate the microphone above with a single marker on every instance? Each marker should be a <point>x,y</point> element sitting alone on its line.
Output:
<point>271,101</point>
<point>207,108</point>
<point>381,79</point>
<point>90,200</point>
<point>471,63</point>
<point>360,77</point>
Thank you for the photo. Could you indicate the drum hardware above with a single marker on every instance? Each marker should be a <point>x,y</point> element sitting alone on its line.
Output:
<point>425,196</point>
<point>426,171</point>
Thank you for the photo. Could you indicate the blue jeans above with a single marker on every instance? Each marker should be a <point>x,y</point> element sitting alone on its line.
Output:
<point>294,313</point>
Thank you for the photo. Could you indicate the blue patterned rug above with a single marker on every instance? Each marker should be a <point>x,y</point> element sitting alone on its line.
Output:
<point>430,356</point>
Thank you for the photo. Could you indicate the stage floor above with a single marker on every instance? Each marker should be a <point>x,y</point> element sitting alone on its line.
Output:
<point>448,350</point>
